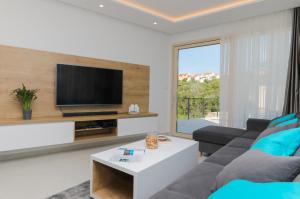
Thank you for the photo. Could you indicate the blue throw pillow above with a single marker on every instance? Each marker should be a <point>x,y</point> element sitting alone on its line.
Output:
<point>288,122</point>
<point>243,189</point>
<point>283,143</point>
<point>282,119</point>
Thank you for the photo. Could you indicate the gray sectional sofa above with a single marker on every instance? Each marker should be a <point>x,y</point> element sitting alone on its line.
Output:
<point>212,138</point>
<point>198,183</point>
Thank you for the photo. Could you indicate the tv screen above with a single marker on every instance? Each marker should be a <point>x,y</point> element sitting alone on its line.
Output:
<point>79,86</point>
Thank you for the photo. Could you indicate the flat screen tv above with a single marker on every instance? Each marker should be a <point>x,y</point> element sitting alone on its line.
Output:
<point>82,86</point>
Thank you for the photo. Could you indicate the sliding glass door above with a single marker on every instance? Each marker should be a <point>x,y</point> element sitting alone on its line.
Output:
<point>198,87</point>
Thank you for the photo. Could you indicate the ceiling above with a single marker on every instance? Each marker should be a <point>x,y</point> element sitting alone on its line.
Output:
<point>182,10</point>
<point>182,7</point>
<point>175,16</point>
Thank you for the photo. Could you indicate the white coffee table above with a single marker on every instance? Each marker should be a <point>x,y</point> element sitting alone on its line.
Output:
<point>140,180</point>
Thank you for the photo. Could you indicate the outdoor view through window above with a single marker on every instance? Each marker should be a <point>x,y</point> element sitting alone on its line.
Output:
<point>198,89</point>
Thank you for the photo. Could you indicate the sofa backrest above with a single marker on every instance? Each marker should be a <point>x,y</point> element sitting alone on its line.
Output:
<point>297,152</point>
<point>297,179</point>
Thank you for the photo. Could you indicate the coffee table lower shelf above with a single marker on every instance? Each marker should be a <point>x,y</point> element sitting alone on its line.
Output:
<point>110,183</point>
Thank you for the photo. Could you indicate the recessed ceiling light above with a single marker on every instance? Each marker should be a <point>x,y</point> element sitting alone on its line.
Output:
<point>155,23</point>
<point>101,5</point>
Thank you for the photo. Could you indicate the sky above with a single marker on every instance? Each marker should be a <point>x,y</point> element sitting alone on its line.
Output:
<point>199,60</point>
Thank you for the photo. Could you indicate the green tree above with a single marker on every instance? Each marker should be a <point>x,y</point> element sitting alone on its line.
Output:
<point>202,97</point>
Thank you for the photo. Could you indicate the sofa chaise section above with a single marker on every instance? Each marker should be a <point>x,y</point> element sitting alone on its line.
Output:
<point>212,138</point>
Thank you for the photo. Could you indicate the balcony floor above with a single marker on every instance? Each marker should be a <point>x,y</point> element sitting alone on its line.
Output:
<point>188,126</point>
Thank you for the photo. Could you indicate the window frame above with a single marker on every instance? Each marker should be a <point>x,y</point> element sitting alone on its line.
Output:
<point>174,80</point>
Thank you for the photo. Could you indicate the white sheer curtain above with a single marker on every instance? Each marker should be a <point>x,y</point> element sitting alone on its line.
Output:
<point>254,69</point>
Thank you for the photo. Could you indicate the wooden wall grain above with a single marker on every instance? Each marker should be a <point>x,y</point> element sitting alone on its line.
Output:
<point>37,69</point>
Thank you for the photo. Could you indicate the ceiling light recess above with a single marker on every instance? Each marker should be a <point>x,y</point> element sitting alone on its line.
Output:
<point>174,19</point>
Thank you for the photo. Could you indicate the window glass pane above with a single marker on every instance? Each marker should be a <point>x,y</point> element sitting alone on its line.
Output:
<point>198,88</point>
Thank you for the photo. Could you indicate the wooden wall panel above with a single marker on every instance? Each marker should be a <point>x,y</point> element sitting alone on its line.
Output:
<point>37,69</point>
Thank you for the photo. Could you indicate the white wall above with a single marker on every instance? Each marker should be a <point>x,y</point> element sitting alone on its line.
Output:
<point>54,26</point>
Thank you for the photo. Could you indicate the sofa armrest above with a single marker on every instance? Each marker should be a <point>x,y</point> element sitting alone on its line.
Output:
<point>257,124</point>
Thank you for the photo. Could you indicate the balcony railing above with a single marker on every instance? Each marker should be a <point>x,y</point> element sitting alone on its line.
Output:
<point>190,108</point>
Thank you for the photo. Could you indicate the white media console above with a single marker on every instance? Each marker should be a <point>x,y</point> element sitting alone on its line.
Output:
<point>44,131</point>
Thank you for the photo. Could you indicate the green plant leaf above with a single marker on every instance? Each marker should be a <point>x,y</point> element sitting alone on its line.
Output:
<point>25,96</point>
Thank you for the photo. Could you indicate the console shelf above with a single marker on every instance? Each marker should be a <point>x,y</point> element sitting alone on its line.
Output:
<point>88,129</point>
<point>103,133</point>
<point>95,129</point>
<point>38,132</point>
<point>15,121</point>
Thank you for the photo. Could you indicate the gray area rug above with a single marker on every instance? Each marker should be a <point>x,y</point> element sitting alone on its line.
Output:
<point>81,191</point>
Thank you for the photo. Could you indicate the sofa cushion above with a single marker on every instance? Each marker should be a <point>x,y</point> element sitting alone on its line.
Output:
<point>241,143</point>
<point>281,119</point>
<point>243,189</point>
<point>250,134</point>
<point>195,185</point>
<point>217,134</point>
<point>292,121</point>
<point>225,155</point>
<point>283,143</point>
<point>272,130</point>
<point>257,166</point>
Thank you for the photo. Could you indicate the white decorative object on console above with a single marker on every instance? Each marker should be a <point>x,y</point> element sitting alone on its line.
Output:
<point>131,108</point>
<point>134,109</point>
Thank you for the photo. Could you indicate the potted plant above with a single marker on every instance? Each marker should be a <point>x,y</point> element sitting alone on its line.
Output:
<point>25,97</point>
